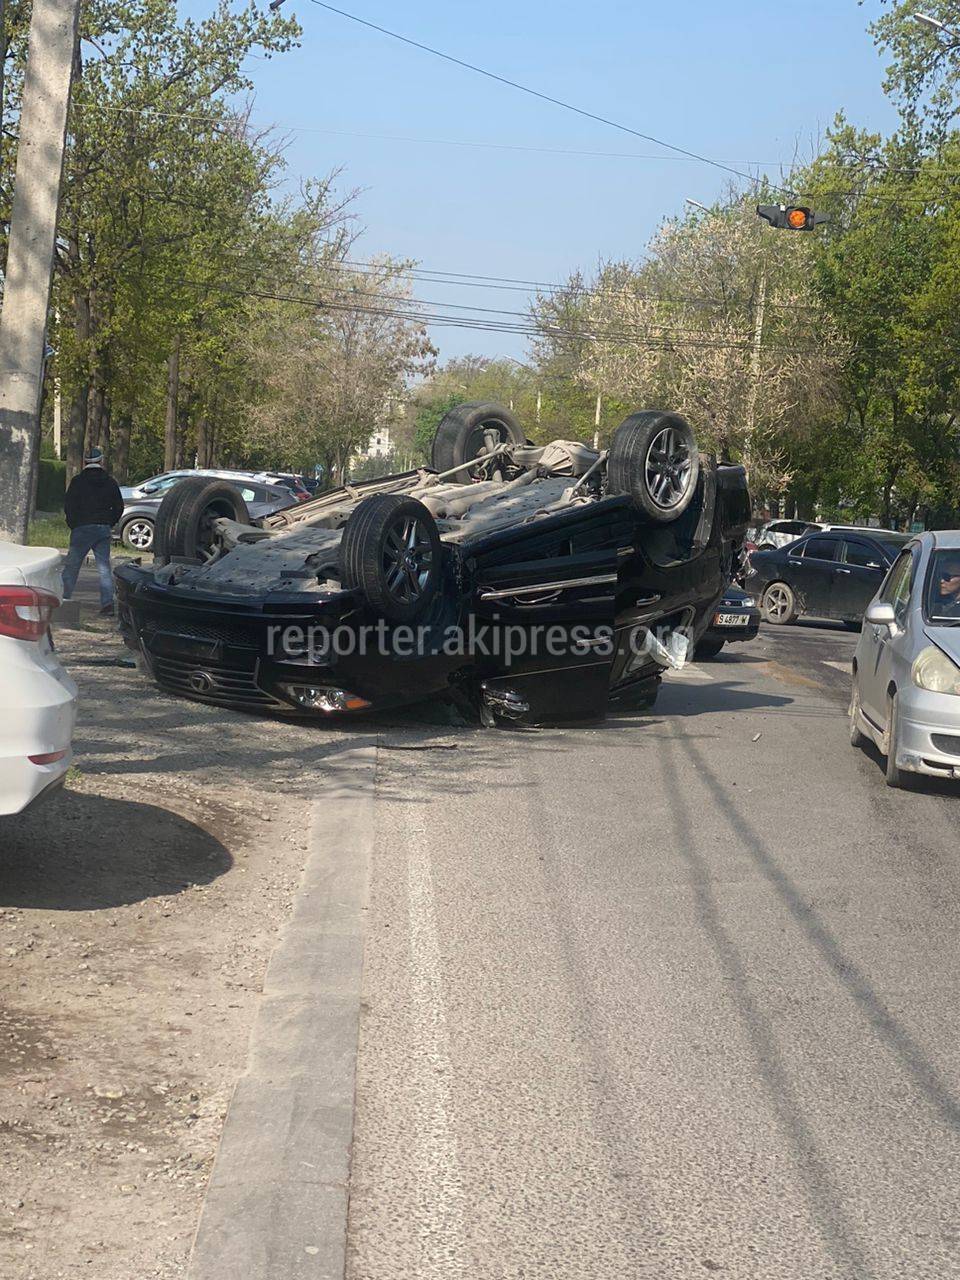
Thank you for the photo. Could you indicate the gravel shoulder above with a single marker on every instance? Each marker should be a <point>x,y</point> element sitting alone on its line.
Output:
<point>138,911</point>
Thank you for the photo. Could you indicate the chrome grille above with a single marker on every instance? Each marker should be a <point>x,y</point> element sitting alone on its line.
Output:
<point>212,682</point>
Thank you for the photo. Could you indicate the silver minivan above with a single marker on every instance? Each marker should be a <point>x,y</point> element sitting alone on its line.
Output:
<point>906,669</point>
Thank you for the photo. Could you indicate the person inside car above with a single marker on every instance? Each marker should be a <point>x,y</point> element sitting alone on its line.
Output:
<point>946,596</point>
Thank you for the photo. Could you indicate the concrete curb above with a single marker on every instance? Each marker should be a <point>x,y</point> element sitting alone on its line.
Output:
<point>276,1204</point>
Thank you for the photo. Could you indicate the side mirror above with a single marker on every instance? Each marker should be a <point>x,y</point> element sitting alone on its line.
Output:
<point>881,615</point>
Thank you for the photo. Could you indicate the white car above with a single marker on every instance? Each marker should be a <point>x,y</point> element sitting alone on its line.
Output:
<point>37,698</point>
<point>906,669</point>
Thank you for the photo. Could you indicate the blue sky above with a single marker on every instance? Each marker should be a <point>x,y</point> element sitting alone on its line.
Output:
<point>740,81</point>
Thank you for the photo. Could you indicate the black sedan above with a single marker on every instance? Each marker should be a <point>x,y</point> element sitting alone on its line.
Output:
<point>823,575</point>
<point>532,582</point>
<point>736,617</point>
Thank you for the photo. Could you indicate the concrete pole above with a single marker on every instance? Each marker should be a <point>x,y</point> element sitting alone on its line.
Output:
<point>57,420</point>
<point>753,388</point>
<point>33,226</point>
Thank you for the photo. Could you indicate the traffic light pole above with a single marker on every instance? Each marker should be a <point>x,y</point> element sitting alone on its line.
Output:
<point>29,268</point>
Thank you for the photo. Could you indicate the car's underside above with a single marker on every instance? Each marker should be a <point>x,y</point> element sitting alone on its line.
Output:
<point>530,582</point>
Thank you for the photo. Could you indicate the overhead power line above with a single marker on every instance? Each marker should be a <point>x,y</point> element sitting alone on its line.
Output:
<point>544,97</point>
<point>410,310</point>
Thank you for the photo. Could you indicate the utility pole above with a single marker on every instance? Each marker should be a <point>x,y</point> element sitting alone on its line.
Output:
<point>170,424</point>
<point>753,390</point>
<point>33,228</point>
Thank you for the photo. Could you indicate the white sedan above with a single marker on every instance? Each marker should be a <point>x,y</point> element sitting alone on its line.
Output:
<point>37,697</point>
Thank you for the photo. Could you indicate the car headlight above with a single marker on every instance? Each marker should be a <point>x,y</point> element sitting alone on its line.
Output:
<point>933,670</point>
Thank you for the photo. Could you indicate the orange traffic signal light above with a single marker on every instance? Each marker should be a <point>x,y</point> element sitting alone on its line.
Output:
<point>791,217</point>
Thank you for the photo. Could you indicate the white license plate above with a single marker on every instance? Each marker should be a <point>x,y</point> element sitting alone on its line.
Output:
<point>732,619</point>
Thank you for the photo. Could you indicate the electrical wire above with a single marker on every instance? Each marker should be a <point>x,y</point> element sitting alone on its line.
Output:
<point>405,309</point>
<point>544,97</point>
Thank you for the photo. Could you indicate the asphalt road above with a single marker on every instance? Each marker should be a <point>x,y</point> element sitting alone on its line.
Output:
<point>671,996</point>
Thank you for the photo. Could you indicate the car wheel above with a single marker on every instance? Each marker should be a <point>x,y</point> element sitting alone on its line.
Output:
<point>137,534</point>
<point>895,776</point>
<point>857,736</point>
<point>653,458</point>
<point>184,528</point>
<point>707,648</point>
<point>461,435</point>
<point>390,551</point>
<point>778,604</point>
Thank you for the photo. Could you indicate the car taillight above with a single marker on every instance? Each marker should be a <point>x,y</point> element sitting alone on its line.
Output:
<point>25,612</point>
<point>50,757</point>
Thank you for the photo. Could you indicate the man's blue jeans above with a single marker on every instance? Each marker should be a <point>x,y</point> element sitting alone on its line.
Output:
<point>85,538</point>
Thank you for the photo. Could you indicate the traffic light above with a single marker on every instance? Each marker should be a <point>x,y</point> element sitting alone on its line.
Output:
<point>791,217</point>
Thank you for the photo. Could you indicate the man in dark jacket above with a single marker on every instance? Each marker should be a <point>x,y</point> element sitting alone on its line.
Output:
<point>93,505</point>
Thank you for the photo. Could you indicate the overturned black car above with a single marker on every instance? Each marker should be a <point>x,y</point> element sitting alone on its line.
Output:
<point>533,583</point>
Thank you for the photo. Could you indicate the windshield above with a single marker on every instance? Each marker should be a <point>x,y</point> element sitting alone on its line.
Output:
<point>941,602</point>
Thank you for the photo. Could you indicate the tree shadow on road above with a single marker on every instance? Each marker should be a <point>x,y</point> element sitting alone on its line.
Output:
<point>81,852</point>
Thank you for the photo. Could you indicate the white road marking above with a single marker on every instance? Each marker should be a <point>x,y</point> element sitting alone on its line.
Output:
<point>845,667</point>
<point>440,1217</point>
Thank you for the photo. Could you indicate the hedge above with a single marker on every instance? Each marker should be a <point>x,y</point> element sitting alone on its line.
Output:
<point>51,485</point>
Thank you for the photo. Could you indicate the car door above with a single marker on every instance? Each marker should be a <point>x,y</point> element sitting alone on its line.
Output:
<point>862,567</point>
<point>537,589</point>
<point>811,566</point>
<point>877,646</point>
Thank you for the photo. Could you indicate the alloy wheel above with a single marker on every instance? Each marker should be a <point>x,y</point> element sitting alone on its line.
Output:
<point>667,469</point>
<point>777,602</point>
<point>140,534</point>
<point>407,559</point>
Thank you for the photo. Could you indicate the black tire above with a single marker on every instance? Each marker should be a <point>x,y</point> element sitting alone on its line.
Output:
<point>137,533</point>
<point>397,583</point>
<point>653,458</point>
<point>778,604</point>
<point>183,528</point>
<point>459,436</point>
<point>708,648</point>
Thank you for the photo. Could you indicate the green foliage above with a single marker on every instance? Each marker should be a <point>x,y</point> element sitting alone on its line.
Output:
<point>51,485</point>
<point>427,420</point>
<point>49,531</point>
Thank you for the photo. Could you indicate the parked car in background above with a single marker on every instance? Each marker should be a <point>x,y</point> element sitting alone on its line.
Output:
<point>779,533</point>
<point>37,697</point>
<point>833,574</point>
<point>287,481</point>
<point>136,527</point>
<point>736,617</point>
<point>905,693</point>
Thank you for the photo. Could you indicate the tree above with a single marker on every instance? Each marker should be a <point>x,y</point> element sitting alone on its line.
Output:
<point>335,366</point>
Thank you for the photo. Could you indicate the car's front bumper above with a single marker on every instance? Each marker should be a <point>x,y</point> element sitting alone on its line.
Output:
<point>928,732</point>
<point>720,631</point>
